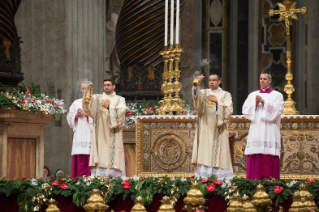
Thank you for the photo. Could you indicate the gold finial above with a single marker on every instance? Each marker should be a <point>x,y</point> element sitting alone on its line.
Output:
<point>248,207</point>
<point>303,191</point>
<point>166,205</point>
<point>194,198</point>
<point>287,11</point>
<point>235,204</point>
<point>138,206</point>
<point>95,202</point>
<point>261,199</point>
<point>309,203</point>
<point>297,205</point>
<point>52,206</point>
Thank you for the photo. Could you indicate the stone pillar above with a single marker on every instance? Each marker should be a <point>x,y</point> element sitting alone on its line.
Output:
<point>253,46</point>
<point>64,42</point>
<point>233,88</point>
<point>313,55</point>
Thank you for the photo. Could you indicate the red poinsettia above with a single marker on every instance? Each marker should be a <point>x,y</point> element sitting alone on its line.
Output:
<point>27,91</point>
<point>211,187</point>
<point>47,101</point>
<point>23,101</point>
<point>23,178</point>
<point>125,182</point>
<point>196,210</point>
<point>204,180</point>
<point>278,189</point>
<point>127,186</point>
<point>128,113</point>
<point>218,182</point>
<point>56,104</point>
<point>149,111</point>
<point>310,180</point>
<point>229,134</point>
<point>32,100</point>
<point>64,186</point>
<point>55,183</point>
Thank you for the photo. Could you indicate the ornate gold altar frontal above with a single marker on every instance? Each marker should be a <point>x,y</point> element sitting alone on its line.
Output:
<point>299,146</point>
<point>164,145</point>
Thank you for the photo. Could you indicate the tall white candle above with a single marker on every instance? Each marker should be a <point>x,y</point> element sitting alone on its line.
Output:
<point>172,22</point>
<point>177,22</point>
<point>166,22</point>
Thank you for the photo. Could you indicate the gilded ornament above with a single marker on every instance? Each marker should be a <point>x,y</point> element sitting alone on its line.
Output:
<point>139,205</point>
<point>166,205</point>
<point>261,200</point>
<point>309,203</point>
<point>297,205</point>
<point>235,204</point>
<point>52,206</point>
<point>248,207</point>
<point>95,202</point>
<point>194,198</point>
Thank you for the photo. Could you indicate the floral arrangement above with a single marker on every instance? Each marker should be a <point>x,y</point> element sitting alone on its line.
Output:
<point>147,108</point>
<point>31,99</point>
<point>33,193</point>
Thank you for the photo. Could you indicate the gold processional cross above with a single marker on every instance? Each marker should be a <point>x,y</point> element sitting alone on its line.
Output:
<point>287,11</point>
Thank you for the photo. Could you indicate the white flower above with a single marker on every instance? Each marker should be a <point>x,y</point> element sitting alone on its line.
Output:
<point>136,177</point>
<point>88,183</point>
<point>292,183</point>
<point>183,179</point>
<point>124,178</point>
<point>34,182</point>
<point>172,178</point>
<point>78,183</point>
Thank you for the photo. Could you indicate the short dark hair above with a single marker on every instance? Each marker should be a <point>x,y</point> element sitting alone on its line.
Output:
<point>109,80</point>
<point>269,75</point>
<point>216,75</point>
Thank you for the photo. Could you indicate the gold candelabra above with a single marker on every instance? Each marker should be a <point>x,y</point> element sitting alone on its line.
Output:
<point>171,104</point>
<point>287,11</point>
<point>95,202</point>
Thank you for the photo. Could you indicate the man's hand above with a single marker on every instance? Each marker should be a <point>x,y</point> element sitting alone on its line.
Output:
<point>212,99</point>
<point>105,103</point>
<point>200,77</point>
<point>80,112</point>
<point>259,99</point>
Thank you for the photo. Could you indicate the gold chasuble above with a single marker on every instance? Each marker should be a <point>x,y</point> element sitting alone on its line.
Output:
<point>211,145</point>
<point>107,150</point>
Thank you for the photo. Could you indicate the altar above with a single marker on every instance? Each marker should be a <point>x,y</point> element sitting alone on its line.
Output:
<point>164,145</point>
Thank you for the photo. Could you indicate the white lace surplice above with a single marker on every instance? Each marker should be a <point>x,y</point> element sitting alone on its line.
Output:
<point>264,131</point>
<point>82,129</point>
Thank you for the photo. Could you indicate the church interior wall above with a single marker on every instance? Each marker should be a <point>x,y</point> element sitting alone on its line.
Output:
<point>65,42</point>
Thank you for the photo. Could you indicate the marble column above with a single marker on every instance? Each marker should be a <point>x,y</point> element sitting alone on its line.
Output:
<point>253,46</point>
<point>233,52</point>
<point>312,57</point>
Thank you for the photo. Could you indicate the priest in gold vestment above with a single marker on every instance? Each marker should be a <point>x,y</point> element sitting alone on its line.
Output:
<point>107,150</point>
<point>214,107</point>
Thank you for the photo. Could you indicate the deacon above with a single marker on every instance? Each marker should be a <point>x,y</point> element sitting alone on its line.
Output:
<point>107,150</point>
<point>263,109</point>
<point>214,107</point>
<point>82,126</point>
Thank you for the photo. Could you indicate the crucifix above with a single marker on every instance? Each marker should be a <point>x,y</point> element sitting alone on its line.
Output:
<point>287,11</point>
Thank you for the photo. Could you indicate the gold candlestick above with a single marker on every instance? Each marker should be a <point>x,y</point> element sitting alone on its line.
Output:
<point>287,11</point>
<point>171,105</point>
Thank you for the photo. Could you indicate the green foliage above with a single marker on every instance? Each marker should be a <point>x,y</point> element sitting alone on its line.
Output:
<point>32,194</point>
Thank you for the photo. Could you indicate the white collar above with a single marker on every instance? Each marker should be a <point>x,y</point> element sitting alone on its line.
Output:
<point>217,90</point>
<point>113,94</point>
